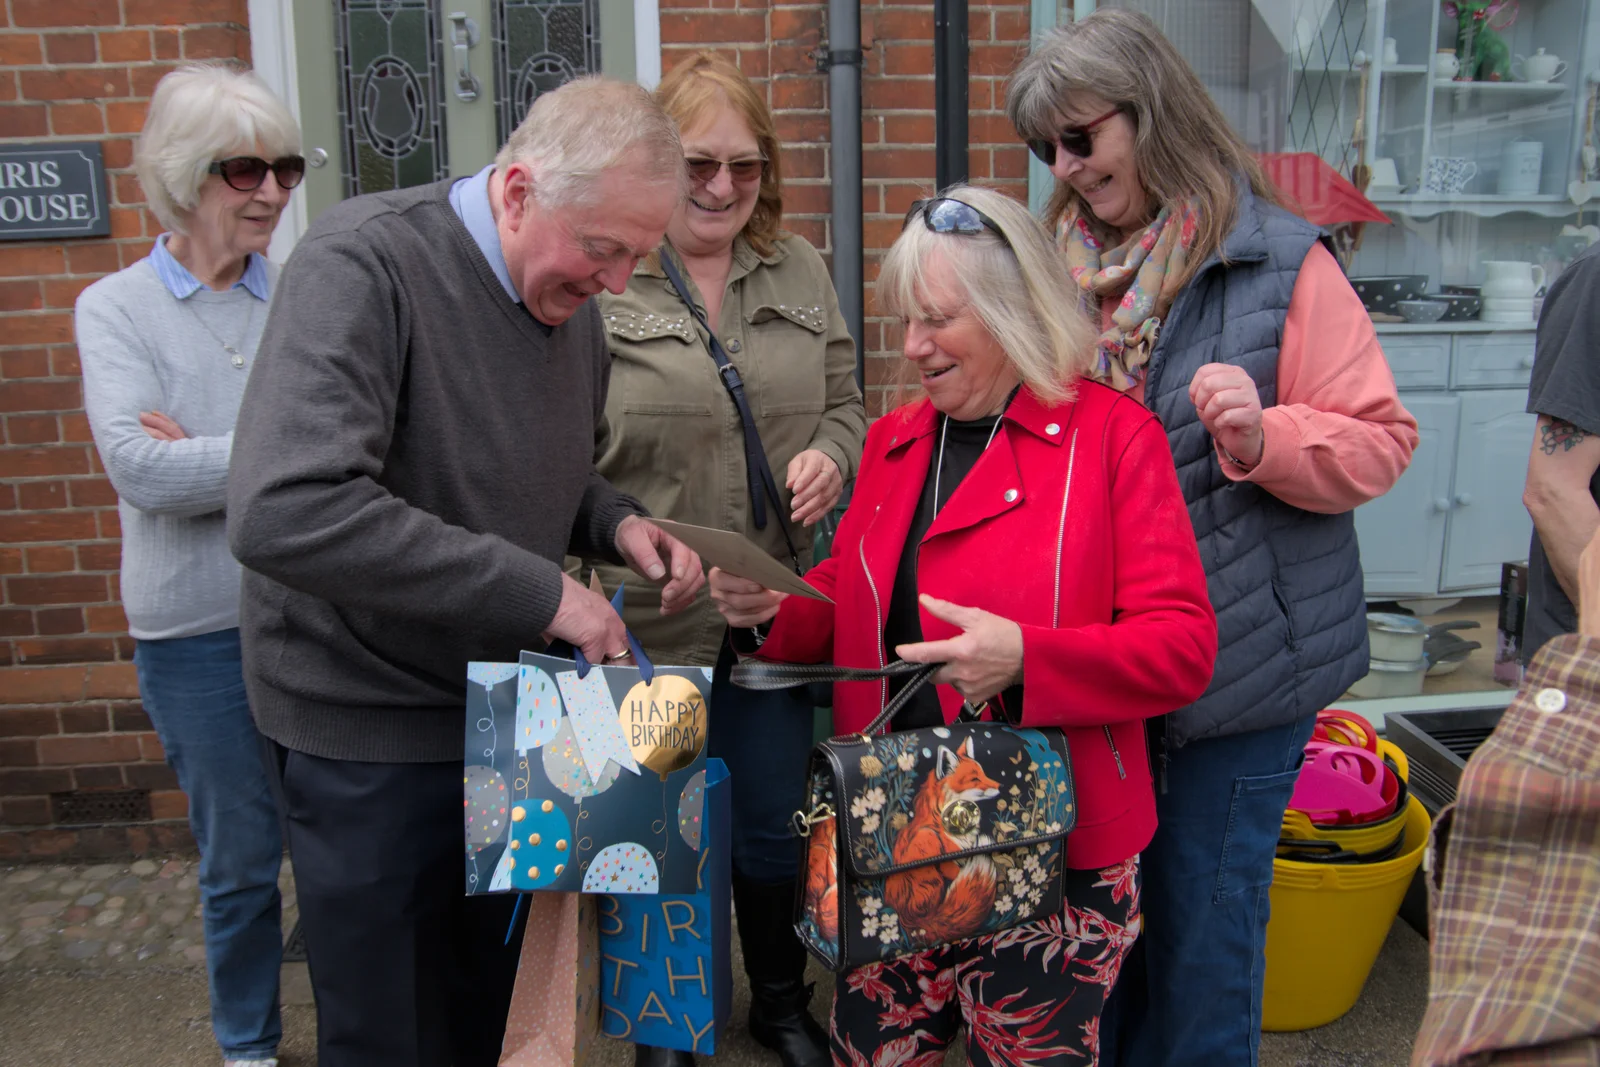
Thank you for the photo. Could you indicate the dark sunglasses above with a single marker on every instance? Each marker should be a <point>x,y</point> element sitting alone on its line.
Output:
<point>246,173</point>
<point>941,214</point>
<point>1074,140</point>
<point>742,171</point>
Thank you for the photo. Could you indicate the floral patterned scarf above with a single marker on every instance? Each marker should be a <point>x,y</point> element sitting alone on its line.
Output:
<point>1145,269</point>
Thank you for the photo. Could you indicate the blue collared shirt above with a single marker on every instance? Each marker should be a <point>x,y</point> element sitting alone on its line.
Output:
<point>176,277</point>
<point>469,199</point>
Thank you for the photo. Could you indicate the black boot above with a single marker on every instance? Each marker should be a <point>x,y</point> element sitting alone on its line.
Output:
<point>651,1056</point>
<point>776,963</point>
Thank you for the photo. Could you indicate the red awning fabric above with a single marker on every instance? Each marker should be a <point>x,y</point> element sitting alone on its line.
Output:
<point>1314,190</point>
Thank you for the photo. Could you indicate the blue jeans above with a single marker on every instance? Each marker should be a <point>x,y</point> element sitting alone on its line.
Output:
<point>765,739</point>
<point>193,691</point>
<point>1190,992</point>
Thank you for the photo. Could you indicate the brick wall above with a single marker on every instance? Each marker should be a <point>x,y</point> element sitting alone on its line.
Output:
<point>778,43</point>
<point>70,721</point>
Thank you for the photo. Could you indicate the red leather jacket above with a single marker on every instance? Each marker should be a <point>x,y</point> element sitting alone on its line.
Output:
<point>1071,524</point>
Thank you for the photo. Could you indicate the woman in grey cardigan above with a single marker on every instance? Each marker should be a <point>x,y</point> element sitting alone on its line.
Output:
<point>166,345</point>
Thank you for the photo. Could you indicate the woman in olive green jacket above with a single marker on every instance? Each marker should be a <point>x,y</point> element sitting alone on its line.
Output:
<point>673,439</point>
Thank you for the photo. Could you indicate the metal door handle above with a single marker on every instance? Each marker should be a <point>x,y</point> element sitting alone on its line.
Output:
<point>317,157</point>
<point>1464,500</point>
<point>464,37</point>
<point>1441,504</point>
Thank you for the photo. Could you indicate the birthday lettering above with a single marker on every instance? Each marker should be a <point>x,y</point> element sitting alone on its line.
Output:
<point>627,1027</point>
<point>664,711</point>
<point>699,975</point>
<point>696,1035</point>
<point>645,735</point>
<point>672,927</point>
<point>616,983</point>
<point>660,1011</point>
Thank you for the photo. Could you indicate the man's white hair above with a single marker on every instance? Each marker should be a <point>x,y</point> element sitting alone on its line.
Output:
<point>200,113</point>
<point>574,134</point>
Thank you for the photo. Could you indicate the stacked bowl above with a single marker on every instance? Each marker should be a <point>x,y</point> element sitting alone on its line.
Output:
<point>1349,844</point>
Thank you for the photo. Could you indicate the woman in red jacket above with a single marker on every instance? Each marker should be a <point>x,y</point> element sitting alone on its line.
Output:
<point>1023,526</point>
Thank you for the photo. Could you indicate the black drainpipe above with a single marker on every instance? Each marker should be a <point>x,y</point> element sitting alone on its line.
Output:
<point>843,64</point>
<point>950,91</point>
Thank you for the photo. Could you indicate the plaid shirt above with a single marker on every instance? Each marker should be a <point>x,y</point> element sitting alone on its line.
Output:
<point>1516,924</point>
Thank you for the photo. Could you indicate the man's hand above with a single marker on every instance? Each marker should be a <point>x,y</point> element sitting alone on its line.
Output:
<point>1230,409</point>
<point>644,545</point>
<point>741,601</point>
<point>588,622</point>
<point>983,660</point>
<point>160,426</point>
<point>815,480</point>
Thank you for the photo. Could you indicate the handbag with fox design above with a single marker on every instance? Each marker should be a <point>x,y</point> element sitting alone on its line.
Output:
<point>925,837</point>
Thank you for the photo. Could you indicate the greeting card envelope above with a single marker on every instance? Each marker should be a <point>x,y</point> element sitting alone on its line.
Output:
<point>740,556</point>
<point>576,782</point>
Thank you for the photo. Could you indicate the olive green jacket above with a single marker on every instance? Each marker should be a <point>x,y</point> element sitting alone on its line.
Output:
<point>671,435</point>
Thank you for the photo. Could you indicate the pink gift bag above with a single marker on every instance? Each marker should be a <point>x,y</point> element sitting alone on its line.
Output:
<point>555,1005</point>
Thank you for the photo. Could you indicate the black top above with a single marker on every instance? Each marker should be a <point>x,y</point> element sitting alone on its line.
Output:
<point>964,442</point>
<point>1565,385</point>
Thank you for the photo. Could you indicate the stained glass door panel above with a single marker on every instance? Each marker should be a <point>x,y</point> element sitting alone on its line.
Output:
<point>391,94</point>
<point>540,44</point>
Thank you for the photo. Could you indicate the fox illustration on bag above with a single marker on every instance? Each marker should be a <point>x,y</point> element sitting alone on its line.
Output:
<point>821,900</point>
<point>943,902</point>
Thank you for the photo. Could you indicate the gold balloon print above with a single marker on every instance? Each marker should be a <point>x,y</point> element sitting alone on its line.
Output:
<point>517,814</point>
<point>533,839</point>
<point>664,722</point>
<point>547,806</point>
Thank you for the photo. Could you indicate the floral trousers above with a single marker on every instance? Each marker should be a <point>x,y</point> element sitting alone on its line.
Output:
<point>1029,996</point>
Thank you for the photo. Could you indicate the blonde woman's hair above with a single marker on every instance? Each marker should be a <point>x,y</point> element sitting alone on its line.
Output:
<point>200,113</point>
<point>574,134</point>
<point>704,81</point>
<point>1018,288</point>
<point>1184,148</point>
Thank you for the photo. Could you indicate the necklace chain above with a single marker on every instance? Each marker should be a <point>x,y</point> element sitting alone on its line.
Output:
<point>235,356</point>
<point>938,470</point>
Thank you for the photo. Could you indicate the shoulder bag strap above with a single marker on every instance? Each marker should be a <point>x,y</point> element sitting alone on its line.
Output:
<point>760,674</point>
<point>762,484</point>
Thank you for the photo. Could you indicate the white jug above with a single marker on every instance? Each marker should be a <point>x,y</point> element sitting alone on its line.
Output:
<point>1511,279</point>
<point>1539,67</point>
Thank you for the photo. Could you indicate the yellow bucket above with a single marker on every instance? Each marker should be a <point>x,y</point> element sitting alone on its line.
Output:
<point>1329,921</point>
<point>1360,837</point>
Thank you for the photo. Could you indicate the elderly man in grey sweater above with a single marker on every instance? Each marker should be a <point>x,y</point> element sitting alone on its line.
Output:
<point>413,459</point>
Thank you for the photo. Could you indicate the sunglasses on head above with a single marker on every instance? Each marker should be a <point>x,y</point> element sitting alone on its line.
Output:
<point>942,214</point>
<point>742,171</point>
<point>246,173</point>
<point>1074,140</point>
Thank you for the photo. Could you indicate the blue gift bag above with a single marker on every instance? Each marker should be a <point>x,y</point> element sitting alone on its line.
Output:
<point>665,975</point>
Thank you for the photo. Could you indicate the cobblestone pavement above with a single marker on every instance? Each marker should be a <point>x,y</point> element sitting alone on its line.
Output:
<point>123,915</point>
<point>104,964</point>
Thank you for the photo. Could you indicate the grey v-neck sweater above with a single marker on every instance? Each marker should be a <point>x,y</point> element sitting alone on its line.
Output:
<point>413,459</point>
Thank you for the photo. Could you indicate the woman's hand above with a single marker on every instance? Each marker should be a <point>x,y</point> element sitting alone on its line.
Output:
<point>982,661</point>
<point>1230,408</point>
<point>814,477</point>
<point>160,426</point>
<point>741,601</point>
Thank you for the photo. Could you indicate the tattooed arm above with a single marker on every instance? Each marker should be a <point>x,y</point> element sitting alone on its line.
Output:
<point>1563,460</point>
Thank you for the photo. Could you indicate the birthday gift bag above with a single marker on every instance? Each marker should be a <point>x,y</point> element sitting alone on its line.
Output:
<point>665,972</point>
<point>573,775</point>
<point>555,1004</point>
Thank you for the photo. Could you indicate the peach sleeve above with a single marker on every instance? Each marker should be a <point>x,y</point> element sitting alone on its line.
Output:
<point>1338,436</point>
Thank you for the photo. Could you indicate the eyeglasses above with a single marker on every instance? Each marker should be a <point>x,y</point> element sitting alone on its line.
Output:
<point>941,214</point>
<point>742,171</point>
<point>1076,140</point>
<point>246,173</point>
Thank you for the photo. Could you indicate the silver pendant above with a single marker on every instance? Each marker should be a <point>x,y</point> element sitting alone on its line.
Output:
<point>234,357</point>
<point>238,361</point>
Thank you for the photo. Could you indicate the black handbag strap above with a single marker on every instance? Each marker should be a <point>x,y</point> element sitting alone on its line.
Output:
<point>760,674</point>
<point>762,484</point>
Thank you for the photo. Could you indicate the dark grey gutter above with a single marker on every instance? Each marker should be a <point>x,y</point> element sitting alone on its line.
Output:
<point>843,62</point>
